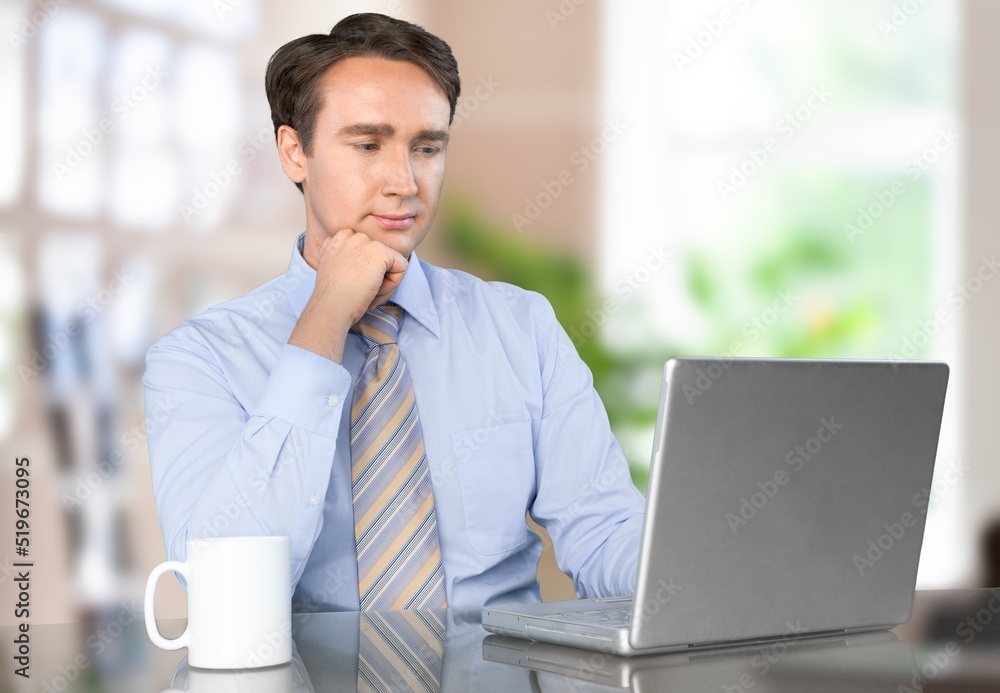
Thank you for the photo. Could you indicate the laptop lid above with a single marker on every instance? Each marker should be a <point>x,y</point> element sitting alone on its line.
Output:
<point>785,496</point>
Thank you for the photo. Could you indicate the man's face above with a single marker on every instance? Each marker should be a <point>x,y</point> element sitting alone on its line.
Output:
<point>378,154</point>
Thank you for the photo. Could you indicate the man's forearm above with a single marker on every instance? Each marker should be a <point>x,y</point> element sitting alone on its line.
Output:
<point>219,471</point>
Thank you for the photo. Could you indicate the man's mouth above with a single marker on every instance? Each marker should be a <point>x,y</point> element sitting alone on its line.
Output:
<point>394,221</point>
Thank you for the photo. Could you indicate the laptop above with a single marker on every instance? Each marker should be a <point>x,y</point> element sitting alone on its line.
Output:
<point>787,498</point>
<point>856,662</point>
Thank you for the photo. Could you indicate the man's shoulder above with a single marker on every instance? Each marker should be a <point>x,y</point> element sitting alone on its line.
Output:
<point>467,291</point>
<point>234,319</point>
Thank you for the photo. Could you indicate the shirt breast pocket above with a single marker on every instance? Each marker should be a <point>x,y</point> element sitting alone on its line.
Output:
<point>496,471</point>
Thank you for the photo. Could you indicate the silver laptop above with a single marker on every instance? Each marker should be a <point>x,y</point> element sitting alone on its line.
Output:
<point>787,498</point>
<point>852,661</point>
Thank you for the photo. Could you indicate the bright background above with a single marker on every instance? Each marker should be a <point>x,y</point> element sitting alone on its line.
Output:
<point>592,140</point>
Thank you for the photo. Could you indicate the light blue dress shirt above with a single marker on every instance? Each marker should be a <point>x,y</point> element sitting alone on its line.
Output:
<point>249,435</point>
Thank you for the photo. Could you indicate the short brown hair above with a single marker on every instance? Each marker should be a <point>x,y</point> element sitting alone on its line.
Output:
<point>294,71</point>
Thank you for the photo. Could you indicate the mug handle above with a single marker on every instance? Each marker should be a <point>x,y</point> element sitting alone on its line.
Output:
<point>151,629</point>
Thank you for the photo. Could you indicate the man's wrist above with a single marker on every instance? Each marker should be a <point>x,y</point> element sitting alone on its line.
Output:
<point>324,335</point>
<point>325,348</point>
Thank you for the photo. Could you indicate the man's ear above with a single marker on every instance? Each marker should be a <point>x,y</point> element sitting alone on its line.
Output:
<point>293,157</point>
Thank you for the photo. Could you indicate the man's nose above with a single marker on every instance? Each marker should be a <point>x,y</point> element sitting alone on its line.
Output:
<point>398,177</point>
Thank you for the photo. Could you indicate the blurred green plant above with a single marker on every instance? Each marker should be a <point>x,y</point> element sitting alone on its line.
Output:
<point>849,298</point>
<point>496,254</point>
<point>853,296</point>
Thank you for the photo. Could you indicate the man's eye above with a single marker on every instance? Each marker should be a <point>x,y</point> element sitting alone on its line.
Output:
<point>428,150</point>
<point>367,146</point>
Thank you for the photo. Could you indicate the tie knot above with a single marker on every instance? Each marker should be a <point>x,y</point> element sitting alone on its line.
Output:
<point>380,325</point>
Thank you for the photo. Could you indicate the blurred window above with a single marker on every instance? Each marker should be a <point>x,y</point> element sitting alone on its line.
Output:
<point>800,164</point>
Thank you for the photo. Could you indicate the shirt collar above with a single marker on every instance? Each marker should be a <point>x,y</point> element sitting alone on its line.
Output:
<point>413,293</point>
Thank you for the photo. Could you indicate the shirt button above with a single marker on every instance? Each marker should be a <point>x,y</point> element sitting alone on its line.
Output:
<point>333,400</point>
<point>313,501</point>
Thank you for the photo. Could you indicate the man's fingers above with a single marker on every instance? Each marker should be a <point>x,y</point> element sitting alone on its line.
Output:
<point>334,244</point>
<point>395,262</point>
<point>389,284</point>
<point>352,257</point>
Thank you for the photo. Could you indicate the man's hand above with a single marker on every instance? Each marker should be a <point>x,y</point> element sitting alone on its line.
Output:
<point>353,275</point>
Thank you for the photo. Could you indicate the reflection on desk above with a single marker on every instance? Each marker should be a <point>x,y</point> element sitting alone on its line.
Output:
<point>873,661</point>
<point>952,643</point>
<point>286,678</point>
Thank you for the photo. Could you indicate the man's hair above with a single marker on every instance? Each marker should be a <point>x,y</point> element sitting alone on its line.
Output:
<point>294,71</point>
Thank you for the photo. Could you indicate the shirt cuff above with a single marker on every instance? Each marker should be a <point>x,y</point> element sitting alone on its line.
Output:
<point>306,390</point>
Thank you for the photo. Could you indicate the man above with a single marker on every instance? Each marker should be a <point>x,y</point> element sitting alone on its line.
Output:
<point>395,419</point>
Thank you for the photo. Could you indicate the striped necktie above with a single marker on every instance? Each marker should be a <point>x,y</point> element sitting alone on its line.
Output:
<point>401,651</point>
<point>399,558</point>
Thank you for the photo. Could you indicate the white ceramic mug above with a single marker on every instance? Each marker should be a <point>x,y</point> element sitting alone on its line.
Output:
<point>239,602</point>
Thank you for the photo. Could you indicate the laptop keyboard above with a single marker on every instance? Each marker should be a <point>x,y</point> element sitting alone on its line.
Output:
<point>611,618</point>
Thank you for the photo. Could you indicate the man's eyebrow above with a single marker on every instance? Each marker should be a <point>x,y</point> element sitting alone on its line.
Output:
<point>433,135</point>
<point>387,130</point>
<point>366,129</point>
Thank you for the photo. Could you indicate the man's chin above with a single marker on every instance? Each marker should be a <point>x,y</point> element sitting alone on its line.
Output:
<point>401,244</point>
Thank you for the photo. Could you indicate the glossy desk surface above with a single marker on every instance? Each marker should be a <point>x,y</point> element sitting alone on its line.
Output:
<point>952,643</point>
